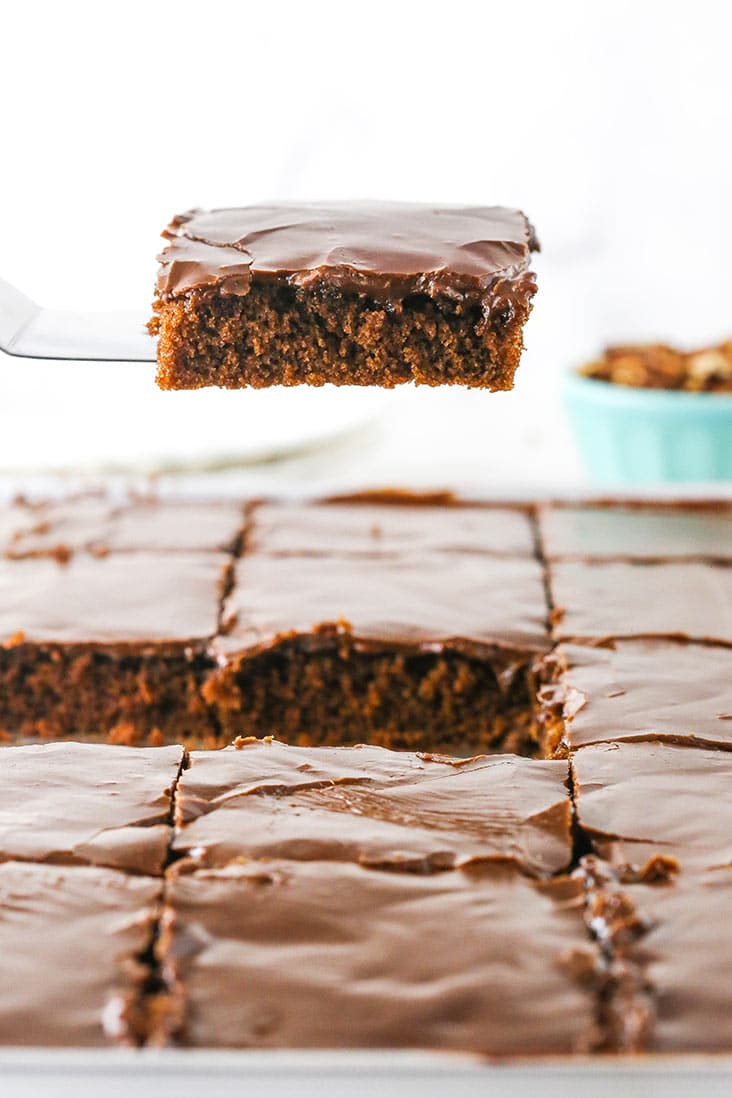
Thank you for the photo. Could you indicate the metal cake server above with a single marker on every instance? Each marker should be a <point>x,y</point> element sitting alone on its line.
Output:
<point>27,330</point>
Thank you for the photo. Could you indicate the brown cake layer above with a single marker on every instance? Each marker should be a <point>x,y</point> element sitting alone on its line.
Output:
<point>338,693</point>
<point>347,294</point>
<point>398,620</point>
<point>432,651</point>
<point>110,646</point>
<point>111,622</point>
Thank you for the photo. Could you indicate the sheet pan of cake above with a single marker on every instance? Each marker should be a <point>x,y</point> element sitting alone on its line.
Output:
<point>671,874</point>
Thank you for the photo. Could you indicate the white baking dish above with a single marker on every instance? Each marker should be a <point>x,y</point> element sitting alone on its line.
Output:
<point>378,1074</point>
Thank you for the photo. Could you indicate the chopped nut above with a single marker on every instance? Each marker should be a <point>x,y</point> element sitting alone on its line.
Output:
<point>656,366</point>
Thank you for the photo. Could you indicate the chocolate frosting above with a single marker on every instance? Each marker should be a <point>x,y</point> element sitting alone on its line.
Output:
<point>85,803</point>
<point>385,250</point>
<point>598,600</point>
<point>643,533</point>
<point>466,602</point>
<point>372,529</point>
<point>53,527</point>
<point>638,690</point>
<point>117,600</point>
<point>374,807</point>
<point>637,801</point>
<point>284,954</point>
<point>99,524</point>
<point>175,525</point>
<point>70,941</point>
<point>681,956</point>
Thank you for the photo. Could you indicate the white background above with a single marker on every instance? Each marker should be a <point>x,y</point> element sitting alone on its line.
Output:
<point>610,123</point>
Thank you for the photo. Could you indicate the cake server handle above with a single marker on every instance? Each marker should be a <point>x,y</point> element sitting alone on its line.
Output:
<point>29,331</point>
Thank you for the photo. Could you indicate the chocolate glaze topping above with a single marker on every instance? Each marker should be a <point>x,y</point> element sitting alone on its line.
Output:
<point>644,690</point>
<point>385,250</point>
<point>639,800</point>
<point>100,525</point>
<point>309,954</point>
<point>374,807</point>
<point>637,532</point>
<point>117,600</point>
<point>53,528</point>
<point>678,942</point>
<point>86,803</point>
<point>374,529</point>
<point>70,942</point>
<point>598,600</point>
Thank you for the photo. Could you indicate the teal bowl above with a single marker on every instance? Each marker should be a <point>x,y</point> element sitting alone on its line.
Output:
<point>639,436</point>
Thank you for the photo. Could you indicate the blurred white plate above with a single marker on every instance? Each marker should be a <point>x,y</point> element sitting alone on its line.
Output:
<point>93,417</point>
